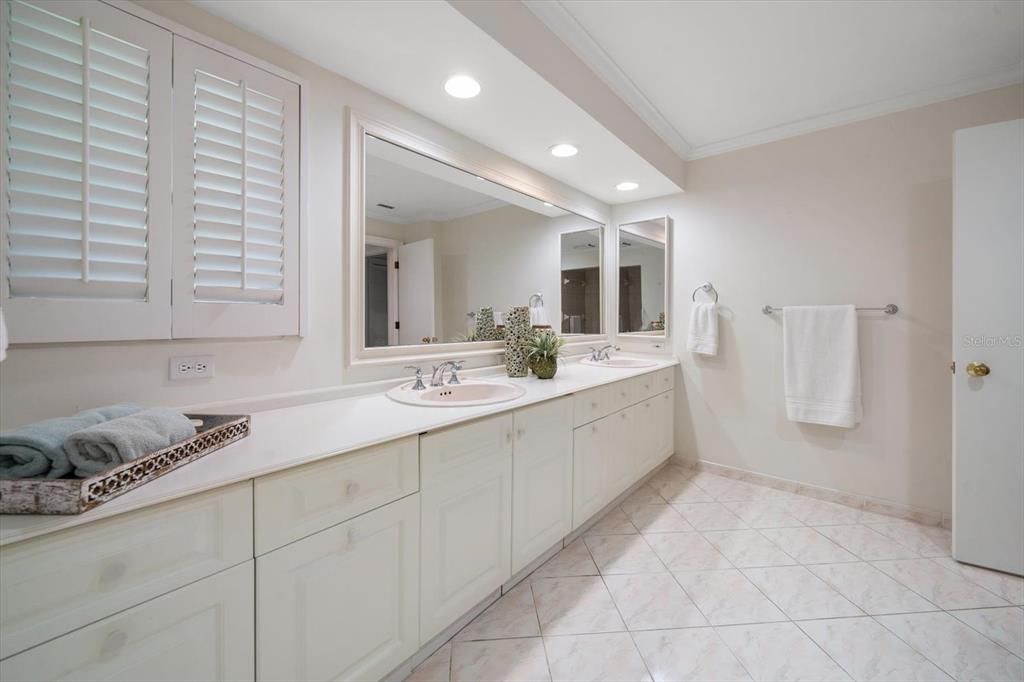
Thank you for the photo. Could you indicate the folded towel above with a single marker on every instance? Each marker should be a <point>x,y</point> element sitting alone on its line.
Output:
<point>821,364</point>
<point>104,446</point>
<point>38,449</point>
<point>703,335</point>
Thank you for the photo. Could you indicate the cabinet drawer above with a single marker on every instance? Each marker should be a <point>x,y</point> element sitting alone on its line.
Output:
<point>664,379</point>
<point>592,404</point>
<point>646,386</point>
<point>202,632</point>
<point>56,583</point>
<point>479,443</point>
<point>299,502</point>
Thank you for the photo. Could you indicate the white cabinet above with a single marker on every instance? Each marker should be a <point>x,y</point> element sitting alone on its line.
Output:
<point>201,632</point>
<point>590,468</point>
<point>466,508</point>
<point>541,479</point>
<point>654,431</point>
<point>622,452</point>
<point>341,604</point>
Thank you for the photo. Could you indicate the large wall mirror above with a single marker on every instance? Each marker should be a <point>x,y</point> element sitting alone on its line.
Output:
<point>643,278</point>
<point>446,253</point>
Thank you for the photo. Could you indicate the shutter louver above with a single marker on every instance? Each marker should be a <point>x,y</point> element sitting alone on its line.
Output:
<point>78,106</point>
<point>239,190</point>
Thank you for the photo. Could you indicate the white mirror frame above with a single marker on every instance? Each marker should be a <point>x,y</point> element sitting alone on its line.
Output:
<point>660,341</point>
<point>357,355</point>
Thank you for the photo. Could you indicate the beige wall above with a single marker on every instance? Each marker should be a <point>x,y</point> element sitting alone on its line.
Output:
<point>857,214</point>
<point>50,380</point>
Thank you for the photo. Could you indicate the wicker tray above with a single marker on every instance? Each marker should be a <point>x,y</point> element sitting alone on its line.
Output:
<point>76,495</point>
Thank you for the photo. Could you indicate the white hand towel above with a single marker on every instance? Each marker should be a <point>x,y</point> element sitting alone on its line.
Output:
<point>703,335</point>
<point>3,336</point>
<point>821,364</point>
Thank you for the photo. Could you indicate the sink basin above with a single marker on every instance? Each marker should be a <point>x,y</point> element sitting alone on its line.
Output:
<point>466,394</point>
<point>621,363</point>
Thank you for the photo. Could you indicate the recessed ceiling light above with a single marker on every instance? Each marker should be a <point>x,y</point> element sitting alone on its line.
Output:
<point>626,186</point>
<point>547,204</point>
<point>462,87</point>
<point>563,150</point>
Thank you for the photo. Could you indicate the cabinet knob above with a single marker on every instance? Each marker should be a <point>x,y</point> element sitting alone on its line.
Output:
<point>352,488</point>
<point>623,415</point>
<point>593,405</point>
<point>113,643</point>
<point>111,573</point>
<point>354,535</point>
<point>520,432</point>
<point>508,437</point>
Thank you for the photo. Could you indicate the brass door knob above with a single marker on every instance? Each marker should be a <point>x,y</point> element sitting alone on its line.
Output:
<point>978,369</point>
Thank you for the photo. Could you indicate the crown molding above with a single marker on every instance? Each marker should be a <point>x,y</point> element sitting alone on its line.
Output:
<point>557,18</point>
<point>1010,76</point>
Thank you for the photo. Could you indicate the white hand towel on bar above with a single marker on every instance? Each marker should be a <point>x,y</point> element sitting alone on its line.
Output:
<point>703,335</point>
<point>821,364</point>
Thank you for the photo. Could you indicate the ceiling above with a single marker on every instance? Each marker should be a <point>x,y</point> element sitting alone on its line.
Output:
<point>714,76</point>
<point>406,50</point>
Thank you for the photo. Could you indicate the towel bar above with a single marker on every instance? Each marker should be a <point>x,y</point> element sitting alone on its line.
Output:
<point>888,309</point>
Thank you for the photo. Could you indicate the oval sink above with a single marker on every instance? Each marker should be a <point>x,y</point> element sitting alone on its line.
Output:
<point>621,363</point>
<point>466,394</point>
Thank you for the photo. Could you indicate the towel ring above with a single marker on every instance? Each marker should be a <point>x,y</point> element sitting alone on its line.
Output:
<point>707,288</point>
<point>536,299</point>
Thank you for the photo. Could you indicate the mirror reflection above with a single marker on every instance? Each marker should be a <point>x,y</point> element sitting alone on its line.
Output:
<point>447,254</point>
<point>642,258</point>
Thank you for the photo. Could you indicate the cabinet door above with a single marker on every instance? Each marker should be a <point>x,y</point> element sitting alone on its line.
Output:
<point>623,452</point>
<point>341,604</point>
<point>591,445</point>
<point>647,434</point>
<point>664,429</point>
<point>466,542</point>
<point>203,631</point>
<point>541,479</point>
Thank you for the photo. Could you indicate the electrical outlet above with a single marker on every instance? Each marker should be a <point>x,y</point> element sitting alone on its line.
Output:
<point>195,367</point>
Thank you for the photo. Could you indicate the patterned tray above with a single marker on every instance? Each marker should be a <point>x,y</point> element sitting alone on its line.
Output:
<point>76,495</point>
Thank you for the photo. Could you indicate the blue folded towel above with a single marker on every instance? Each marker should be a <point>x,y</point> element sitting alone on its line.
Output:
<point>106,445</point>
<point>38,449</point>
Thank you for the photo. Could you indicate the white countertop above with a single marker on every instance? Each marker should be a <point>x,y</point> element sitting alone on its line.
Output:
<point>288,437</point>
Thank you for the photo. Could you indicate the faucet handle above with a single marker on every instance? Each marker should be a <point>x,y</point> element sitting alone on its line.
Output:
<point>418,386</point>
<point>455,365</point>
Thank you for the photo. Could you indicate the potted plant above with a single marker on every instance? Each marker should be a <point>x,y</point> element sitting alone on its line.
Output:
<point>542,351</point>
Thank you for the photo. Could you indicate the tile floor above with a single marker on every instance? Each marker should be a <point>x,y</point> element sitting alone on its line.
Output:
<point>701,577</point>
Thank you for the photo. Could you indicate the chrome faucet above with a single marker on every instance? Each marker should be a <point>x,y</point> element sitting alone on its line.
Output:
<point>418,386</point>
<point>437,378</point>
<point>597,355</point>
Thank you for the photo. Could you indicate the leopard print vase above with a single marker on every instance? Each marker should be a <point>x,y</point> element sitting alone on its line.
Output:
<point>517,331</point>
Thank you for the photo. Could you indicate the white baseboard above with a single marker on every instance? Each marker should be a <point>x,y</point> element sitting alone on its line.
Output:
<point>864,502</point>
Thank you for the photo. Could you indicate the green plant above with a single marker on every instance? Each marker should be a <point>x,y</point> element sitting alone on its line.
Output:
<point>545,345</point>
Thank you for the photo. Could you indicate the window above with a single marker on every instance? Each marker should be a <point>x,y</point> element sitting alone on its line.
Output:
<point>236,225</point>
<point>88,203</point>
<point>94,139</point>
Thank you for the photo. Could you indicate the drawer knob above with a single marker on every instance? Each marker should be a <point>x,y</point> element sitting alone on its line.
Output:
<point>520,432</point>
<point>352,489</point>
<point>113,643</point>
<point>593,405</point>
<point>508,437</point>
<point>111,573</point>
<point>354,536</point>
<point>623,415</point>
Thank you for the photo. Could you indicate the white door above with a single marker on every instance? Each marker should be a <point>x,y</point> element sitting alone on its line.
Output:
<point>201,632</point>
<point>415,292</point>
<point>647,434</point>
<point>341,604</point>
<point>988,323</point>
<point>541,479</point>
<point>590,469</point>
<point>466,509</point>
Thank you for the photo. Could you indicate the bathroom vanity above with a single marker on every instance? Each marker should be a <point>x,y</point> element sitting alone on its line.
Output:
<point>342,540</point>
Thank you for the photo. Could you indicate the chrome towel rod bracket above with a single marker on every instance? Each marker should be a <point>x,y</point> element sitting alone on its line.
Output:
<point>888,309</point>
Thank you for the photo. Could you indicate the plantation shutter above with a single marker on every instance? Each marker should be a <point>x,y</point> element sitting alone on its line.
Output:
<point>237,223</point>
<point>86,226</point>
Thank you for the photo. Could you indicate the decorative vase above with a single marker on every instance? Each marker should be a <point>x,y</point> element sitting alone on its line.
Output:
<point>546,368</point>
<point>485,325</point>
<point>517,331</point>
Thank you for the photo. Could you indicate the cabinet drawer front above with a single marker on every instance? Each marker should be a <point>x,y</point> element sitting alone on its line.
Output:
<point>296,503</point>
<point>592,404</point>
<point>664,379</point>
<point>646,386</point>
<point>341,604</point>
<point>56,583</point>
<point>201,632</point>
<point>479,443</point>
